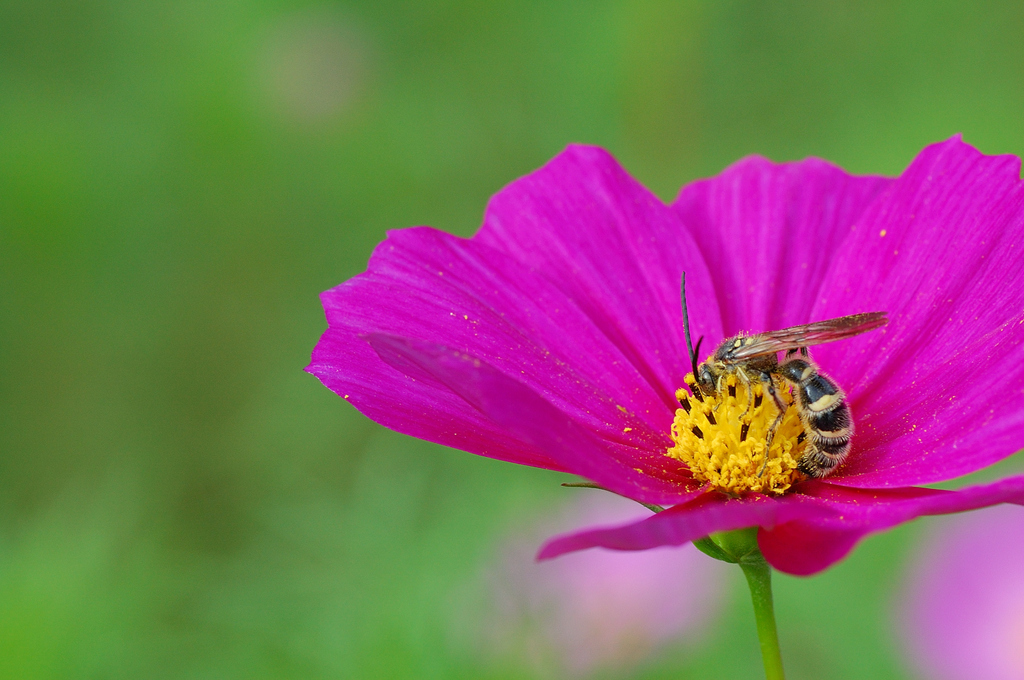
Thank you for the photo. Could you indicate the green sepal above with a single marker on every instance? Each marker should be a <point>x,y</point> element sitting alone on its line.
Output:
<point>734,547</point>
<point>590,485</point>
<point>711,549</point>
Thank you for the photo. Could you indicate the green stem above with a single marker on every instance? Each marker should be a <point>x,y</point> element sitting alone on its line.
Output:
<point>740,547</point>
<point>759,578</point>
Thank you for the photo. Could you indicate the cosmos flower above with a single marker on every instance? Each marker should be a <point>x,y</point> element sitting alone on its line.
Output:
<point>963,609</point>
<point>553,338</point>
<point>595,610</point>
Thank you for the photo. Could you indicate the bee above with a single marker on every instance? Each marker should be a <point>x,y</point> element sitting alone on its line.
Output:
<point>821,403</point>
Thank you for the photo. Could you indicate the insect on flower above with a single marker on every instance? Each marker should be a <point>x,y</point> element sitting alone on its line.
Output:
<point>552,338</point>
<point>824,413</point>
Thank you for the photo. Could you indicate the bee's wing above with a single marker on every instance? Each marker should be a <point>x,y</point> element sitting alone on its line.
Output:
<point>817,333</point>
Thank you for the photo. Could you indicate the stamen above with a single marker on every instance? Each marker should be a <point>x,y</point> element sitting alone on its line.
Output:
<point>724,445</point>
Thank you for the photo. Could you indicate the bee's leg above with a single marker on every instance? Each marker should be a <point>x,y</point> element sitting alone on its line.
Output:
<point>745,379</point>
<point>780,405</point>
<point>718,390</point>
<point>802,350</point>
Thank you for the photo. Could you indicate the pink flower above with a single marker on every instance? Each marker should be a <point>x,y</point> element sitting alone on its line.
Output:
<point>595,610</point>
<point>553,336</point>
<point>963,614</point>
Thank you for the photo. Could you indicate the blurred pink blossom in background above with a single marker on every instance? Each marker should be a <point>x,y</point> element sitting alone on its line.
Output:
<point>598,609</point>
<point>963,611</point>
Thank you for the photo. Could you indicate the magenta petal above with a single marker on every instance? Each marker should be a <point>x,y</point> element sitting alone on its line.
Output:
<point>613,248</point>
<point>801,533</point>
<point>811,543</point>
<point>706,514</point>
<point>630,470</point>
<point>943,252</point>
<point>571,286</point>
<point>770,232</point>
<point>458,293</point>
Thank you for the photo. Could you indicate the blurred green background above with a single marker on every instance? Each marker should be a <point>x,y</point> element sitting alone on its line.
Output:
<point>178,182</point>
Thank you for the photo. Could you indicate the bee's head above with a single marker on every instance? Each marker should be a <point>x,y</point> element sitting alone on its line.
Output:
<point>707,378</point>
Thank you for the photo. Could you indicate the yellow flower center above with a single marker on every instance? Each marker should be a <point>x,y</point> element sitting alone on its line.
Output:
<point>722,438</point>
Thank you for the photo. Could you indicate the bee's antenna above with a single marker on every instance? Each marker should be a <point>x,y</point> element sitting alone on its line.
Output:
<point>686,328</point>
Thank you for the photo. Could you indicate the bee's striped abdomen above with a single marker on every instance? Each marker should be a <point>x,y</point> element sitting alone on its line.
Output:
<point>825,415</point>
<point>817,393</point>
